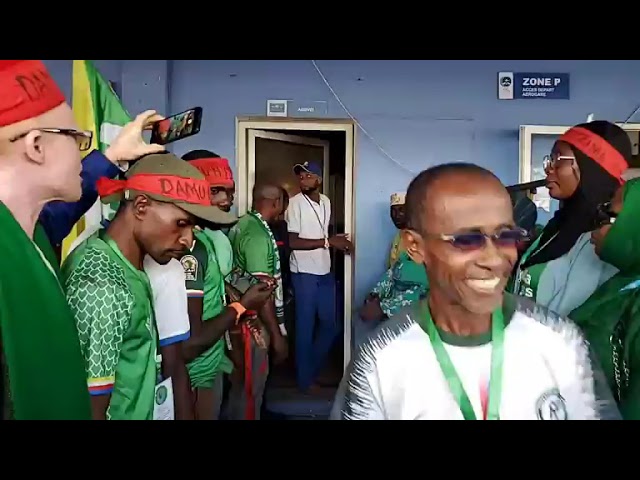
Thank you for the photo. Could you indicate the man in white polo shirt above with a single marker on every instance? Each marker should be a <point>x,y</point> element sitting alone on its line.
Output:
<point>308,218</point>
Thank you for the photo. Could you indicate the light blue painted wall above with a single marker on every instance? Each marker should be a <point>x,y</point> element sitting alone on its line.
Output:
<point>421,112</point>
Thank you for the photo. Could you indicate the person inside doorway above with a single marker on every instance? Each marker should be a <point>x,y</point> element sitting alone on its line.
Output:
<point>560,269</point>
<point>308,218</point>
<point>468,351</point>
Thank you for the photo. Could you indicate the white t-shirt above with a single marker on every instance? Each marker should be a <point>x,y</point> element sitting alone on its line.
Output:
<point>169,295</point>
<point>309,220</point>
<point>169,300</point>
<point>548,372</point>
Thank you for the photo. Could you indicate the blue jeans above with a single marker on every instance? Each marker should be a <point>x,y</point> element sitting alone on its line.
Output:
<point>315,295</point>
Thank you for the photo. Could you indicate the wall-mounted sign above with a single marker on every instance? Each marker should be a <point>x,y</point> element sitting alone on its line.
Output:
<point>308,109</point>
<point>547,86</point>
<point>277,108</point>
<point>293,108</point>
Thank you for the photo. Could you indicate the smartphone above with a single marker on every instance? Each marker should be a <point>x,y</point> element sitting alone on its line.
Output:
<point>177,127</point>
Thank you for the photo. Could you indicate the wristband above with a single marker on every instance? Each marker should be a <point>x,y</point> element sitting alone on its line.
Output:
<point>326,243</point>
<point>240,310</point>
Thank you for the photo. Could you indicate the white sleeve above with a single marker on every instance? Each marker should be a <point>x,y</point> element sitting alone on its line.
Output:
<point>170,300</point>
<point>359,394</point>
<point>293,217</point>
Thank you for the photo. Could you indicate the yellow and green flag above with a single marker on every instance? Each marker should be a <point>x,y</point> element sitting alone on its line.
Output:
<point>96,107</point>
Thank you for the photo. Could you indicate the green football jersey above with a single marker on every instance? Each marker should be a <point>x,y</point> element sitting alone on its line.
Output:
<point>112,303</point>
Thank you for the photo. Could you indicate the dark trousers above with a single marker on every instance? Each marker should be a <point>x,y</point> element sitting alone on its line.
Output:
<point>315,297</point>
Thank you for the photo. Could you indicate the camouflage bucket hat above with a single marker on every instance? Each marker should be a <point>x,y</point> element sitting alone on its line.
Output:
<point>165,178</point>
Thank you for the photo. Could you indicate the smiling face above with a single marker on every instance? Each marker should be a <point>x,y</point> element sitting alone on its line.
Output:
<point>465,203</point>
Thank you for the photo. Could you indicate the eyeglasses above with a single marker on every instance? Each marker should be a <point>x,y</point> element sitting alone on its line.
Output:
<point>552,161</point>
<point>477,240</point>
<point>604,216</point>
<point>83,138</point>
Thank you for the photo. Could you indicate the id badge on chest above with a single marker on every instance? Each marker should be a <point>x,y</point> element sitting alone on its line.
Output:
<point>163,408</point>
<point>163,401</point>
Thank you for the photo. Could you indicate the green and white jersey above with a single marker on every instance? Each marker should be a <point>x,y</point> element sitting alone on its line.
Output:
<point>253,250</point>
<point>204,279</point>
<point>548,373</point>
<point>112,304</point>
<point>255,254</point>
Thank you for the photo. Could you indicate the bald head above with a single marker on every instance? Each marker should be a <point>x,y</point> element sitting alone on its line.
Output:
<point>429,190</point>
<point>266,192</point>
<point>267,200</point>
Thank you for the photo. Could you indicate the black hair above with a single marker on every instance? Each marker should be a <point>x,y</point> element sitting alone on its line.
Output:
<point>419,187</point>
<point>198,154</point>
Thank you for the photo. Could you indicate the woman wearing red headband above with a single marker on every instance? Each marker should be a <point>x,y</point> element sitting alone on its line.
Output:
<point>561,270</point>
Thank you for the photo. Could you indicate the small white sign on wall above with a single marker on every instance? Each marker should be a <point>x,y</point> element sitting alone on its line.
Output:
<point>277,108</point>
<point>505,85</point>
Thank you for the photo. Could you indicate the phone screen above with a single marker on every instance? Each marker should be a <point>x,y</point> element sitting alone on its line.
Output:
<point>177,127</point>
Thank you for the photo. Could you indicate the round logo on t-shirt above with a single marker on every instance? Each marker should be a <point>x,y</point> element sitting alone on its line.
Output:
<point>551,406</point>
<point>161,395</point>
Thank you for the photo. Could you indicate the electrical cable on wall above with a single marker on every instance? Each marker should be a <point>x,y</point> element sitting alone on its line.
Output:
<point>362,129</point>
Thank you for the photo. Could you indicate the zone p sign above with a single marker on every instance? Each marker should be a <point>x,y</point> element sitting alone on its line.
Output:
<point>530,85</point>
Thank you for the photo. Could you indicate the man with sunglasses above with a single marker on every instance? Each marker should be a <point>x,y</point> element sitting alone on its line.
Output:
<point>468,351</point>
<point>42,365</point>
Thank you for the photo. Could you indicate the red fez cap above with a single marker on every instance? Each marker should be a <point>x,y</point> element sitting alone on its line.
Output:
<point>26,91</point>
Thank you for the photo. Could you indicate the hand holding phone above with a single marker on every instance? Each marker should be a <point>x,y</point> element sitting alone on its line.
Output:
<point>177,127</point>
<point>129,144</point>
<point>256,295</point>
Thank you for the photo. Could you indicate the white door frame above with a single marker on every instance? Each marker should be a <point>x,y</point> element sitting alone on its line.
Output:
<point>245,124</point>
<point>526,142</point>
<point>251,155</point>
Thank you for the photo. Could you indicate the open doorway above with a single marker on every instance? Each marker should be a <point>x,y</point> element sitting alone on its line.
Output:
<point>268,149</point>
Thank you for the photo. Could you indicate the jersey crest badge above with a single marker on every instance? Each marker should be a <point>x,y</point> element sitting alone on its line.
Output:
<point>190,265</point>
<point>551,406</point>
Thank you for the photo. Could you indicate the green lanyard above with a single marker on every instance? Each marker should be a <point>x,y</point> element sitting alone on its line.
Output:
<point>449,371</point>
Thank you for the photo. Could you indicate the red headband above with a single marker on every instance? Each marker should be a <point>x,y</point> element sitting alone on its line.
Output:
<point>597,148</point>
<point>216,171</point>
<point>27,91</point>
<point>181,189</point>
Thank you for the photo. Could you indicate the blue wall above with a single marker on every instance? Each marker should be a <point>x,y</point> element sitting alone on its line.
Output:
<point>421,112</point>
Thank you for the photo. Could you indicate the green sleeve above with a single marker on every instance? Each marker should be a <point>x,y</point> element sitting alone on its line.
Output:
<point>195,264</point>
<point>102,313</point>
<point>257,251</point>
<point>630,406</point>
